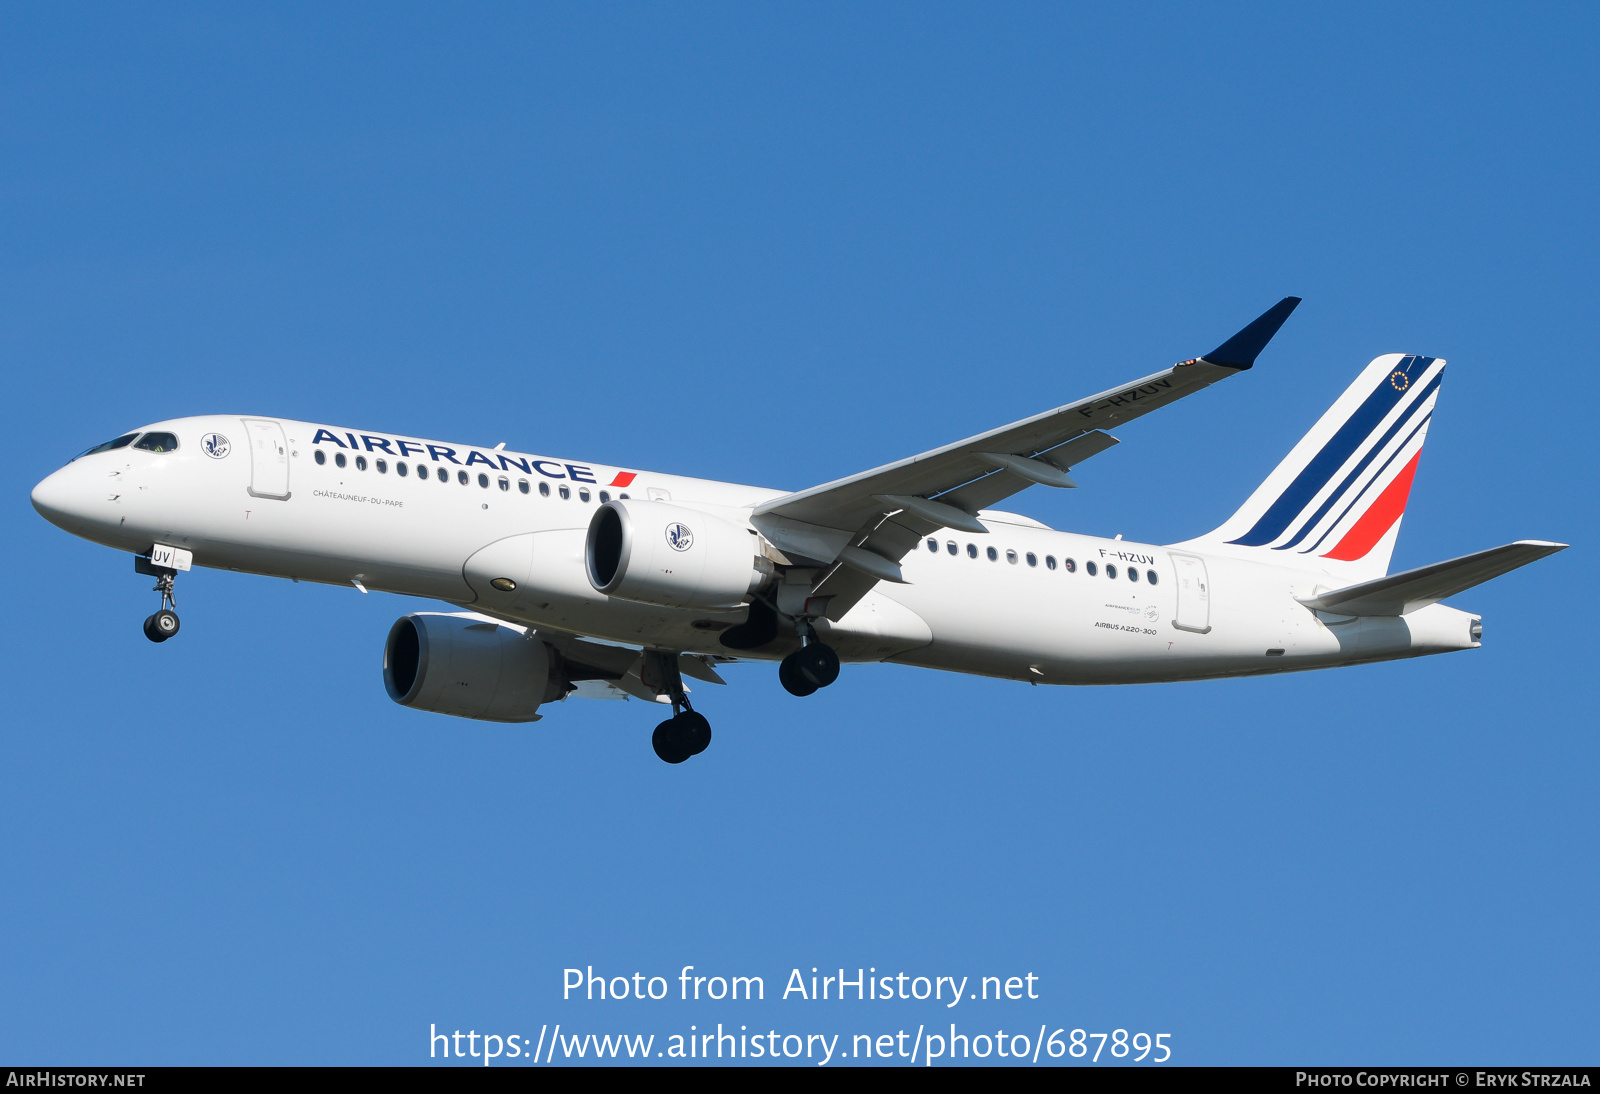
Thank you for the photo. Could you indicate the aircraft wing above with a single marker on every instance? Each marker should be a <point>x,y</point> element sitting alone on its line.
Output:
<point>861,526</point>
<point>1403,593</point>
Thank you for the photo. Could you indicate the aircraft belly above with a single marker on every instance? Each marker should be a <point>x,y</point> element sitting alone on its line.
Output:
<point>878,627</point>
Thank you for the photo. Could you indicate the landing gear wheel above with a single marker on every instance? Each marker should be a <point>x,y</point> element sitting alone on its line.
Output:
<point>669,744</point>
<point>696,731</point>
<point>794,681</point>
<point>681,736</point>
<point>819,664</point>
<point>161,626</point>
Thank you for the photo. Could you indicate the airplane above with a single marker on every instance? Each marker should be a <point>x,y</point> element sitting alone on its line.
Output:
<point>580,579</point>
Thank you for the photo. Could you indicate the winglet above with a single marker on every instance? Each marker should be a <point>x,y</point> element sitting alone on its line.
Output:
<point>1241,350</point>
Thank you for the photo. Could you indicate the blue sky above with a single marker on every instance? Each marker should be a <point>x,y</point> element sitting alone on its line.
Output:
<point>781,244</point>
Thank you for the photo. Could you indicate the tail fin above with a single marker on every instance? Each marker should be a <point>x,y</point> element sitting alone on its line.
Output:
<point>1334,504</point>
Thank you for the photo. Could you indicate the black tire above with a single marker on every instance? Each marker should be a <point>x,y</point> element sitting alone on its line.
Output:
<point>150,631</point>
<point>695,730</point>
<point>819,664</point>
<point>670,743</point>
<point>794,681</point>
<point>166,622</point>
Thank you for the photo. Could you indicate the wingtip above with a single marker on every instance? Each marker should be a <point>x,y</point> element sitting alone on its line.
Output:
<point>1242,349</point>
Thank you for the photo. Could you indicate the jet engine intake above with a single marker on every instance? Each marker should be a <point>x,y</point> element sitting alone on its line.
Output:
<point>654,552</point>
<point>468,666</point>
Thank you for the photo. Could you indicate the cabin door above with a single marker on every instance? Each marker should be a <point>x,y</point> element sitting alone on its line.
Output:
<point>1194,595</point>
<point>269,458</point>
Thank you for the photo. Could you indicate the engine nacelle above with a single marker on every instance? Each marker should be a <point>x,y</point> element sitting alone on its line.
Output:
<point>658,553</point>
<point>468,666</point>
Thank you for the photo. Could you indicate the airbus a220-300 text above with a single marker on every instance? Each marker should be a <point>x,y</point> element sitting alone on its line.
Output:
<point>583,579</point>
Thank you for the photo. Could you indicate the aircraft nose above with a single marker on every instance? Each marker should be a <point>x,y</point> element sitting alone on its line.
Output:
<point>62,499</point>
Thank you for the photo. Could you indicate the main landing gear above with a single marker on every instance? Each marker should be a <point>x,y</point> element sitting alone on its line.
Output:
<point>164,624</point>
<point>686,733</point>
<point>814,665</point>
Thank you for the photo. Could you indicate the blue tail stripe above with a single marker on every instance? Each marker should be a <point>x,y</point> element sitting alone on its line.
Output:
<point>1370,483</point>
<point>1372,454</point>
<point>1326,463</point>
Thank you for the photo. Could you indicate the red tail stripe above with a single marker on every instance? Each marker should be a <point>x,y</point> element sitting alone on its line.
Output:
<point>1379,518</point>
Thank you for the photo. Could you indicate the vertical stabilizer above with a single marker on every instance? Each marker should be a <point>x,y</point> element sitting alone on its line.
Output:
<point>1334,504</point>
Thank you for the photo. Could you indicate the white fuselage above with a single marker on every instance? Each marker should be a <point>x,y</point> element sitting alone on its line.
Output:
<point>1013,616</point>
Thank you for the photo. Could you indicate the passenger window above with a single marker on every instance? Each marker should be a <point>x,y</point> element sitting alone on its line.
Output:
<point>933,545</point>
<point>1150,576</point>
<point>1011,556</point>
<point>483,480</point>
<point>1033,559</point>
<point>622,497</point>
<point>461,477</point>
<point>564,491</point>
<point>1111,571</point>
<point>157,442</point>
<point>605,495</point>
<point>400,469</point>
<point>583,493</point>
<point>1049,562</point>
<point>321,457</point>
<point>1069,565</point>
<point>121,442</point>
<point>338,459</point>
<point>972,550</point>
<point>952,548</point>
<point>544,490</point>
<point>522,485</point>
<point>422,470</point>
<point>1090,568</point>
<point>994,556</point>
<point>382,465</point>
<point>505,483</point>
<point>361,463</point>
<point>1133,575</point>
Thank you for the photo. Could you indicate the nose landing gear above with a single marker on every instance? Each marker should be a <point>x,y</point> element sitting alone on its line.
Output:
<point>164,624</point>
<point>687,732</point>
<point>814,665</point>
<point>161,626</point>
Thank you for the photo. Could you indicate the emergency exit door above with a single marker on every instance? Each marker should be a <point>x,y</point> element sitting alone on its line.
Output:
<point>1194,595</point>
<point>269,458</point>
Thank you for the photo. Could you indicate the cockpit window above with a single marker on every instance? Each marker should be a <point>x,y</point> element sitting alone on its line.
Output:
<point>158,442</point>
<point>121,442</point>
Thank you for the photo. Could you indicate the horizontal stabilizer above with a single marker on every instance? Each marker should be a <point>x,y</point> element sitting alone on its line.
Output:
<point>1405,592</point>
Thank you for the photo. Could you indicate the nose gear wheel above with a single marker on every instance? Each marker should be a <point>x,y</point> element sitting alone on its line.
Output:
<point>164,624</point>
<point>161,626</point>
